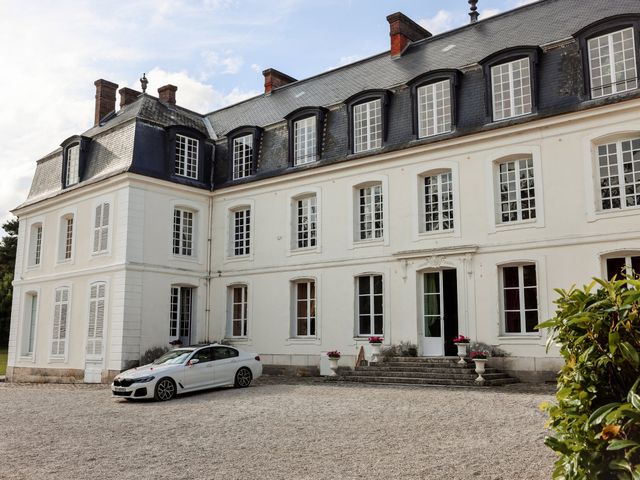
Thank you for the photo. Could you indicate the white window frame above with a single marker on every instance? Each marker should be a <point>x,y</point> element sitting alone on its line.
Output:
<point>311,303</point>
<point>56,333</point>
<point>176,324</point>
<point>305,225</point>
<point>370,212</point>
<point>240,245</point>
<point>524,212</point>
<point>427,208</point>
<point>242,156</point>
<point>36,242</point>
<point>353,203</point>
<point>305,140</point>
<point>186,156</point>
<point>29,330</point>
<point>522,307</point>
<point>66,237</point>
<point>368,135</point>
<point>513,98</point>
<point>72,171</point>
<point>616,171</point>
<point>101,234</point>
<point>434,108</point>
<point>625,253</point>
<point>96,305</point>
<point>245,305</point>
<point>371,296</point>
<point>630,81</point>
<point>184,232</point>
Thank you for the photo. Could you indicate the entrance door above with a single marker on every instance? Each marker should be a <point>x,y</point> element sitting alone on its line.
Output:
<point>95,334</point>
<point>439,313</point>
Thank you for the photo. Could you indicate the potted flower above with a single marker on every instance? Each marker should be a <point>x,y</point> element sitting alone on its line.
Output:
<point>480,358</point>
<point>461,343</point>
<point>175,343</point>
<point>334,356</point>
<point>376,343</point>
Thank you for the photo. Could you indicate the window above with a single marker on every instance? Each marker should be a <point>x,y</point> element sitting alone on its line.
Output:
<point>101,228</point>
<point>29,329</point>
<point>616,266</point>
<point>203,355</point>
<point>434,109</point>
<point>238,314</point>
<point>305,308</point>
<point>306,218</point>
<point>438,202</point>
<point>242,156</point>
<point>96,319</point>
<point>181,312</point>
<point>370,212</point>
<point>35,245</point>
<point>60,320</point>
<point>182,232</point>
<point>511,87</point>
<point>520,299</point>
<point>65,242</point>
<point>241,232</point>
<point>220,353</point>
<point>186,156</point>
<point>72,170</point>
<point>516,191</point>
<point>304,140</point>
<point>367,126</point>
<point>612,63</point>
<point>370,318</point>
<point>619,172</point>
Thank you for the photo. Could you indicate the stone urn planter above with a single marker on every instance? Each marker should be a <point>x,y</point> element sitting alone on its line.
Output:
<point>462,352</point>
<point>376,346</point>
<point>334,357</point>
<point>480,359</point>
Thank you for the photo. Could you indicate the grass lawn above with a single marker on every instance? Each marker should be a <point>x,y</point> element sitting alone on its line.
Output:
<point>3,360</point>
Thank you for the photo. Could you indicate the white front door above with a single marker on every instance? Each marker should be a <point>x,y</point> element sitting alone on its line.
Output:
<point>432,315</point>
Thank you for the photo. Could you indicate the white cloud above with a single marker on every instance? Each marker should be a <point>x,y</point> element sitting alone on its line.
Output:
<point>442,21</point>
<point>256,68</point>
<point>520,3</point>
<point>223,63</point>
<point>489,12</point>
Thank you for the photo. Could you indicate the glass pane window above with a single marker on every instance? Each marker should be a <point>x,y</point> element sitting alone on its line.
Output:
<point>68,239</point>
<point>619,174</point>
<point>612,63</point>
<point>60,321</point>
<point>370,316</point>
<point>241,231</point>
<point>520,299</point>
<point>432,305</point>
<point>367,126</point>
<point>181,313</point>
<point>305,308</point>
<point>306,222</point>
<point>438,202</point>
<point>242,156</point>
<point>238,296</point>
<point>35,245</point>
<point>511,89</point>
<point>101,228</point>
<point>434,109</point>
<point>617,266</point>
<point>516,191</point>
<point>29,326</point>
<point>304,140</point>
<point>73,165</point>
<point>370,213</point>
<point>182,232</point>
<point>186,156</point>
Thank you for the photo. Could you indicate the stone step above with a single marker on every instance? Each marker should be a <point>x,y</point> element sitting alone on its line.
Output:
<point>451,366</point>
<point>430,375</point>
<point>427,381</point>
<point>421,359</point>
<point>442,369</point>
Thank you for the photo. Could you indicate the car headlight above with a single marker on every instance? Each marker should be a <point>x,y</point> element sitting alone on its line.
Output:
<point>142,379</point>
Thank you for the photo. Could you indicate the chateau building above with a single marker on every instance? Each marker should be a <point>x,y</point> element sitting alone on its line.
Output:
<point>445,186</point>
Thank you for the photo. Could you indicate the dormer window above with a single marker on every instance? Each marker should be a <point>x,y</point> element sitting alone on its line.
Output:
<point>305,135</point>
<point>186,159</point>
<point>367,120</point>
<point>511,83</point>
<point>243,146</point>
<point>72,171</point>
<point>433,102</point>
<point>74,150</point>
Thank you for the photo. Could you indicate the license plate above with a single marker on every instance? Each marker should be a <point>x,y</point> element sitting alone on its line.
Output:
<point>119,389</point>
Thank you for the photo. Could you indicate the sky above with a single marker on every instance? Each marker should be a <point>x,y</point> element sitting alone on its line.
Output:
<point>214,51</point>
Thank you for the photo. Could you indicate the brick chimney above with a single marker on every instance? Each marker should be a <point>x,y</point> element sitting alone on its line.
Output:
<point>127,96</point>
<point>105,99</point>
<point>403,31</point>
<point>167,94</point>
<point>274,79</point>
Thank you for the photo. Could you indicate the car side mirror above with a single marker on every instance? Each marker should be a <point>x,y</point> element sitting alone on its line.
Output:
<point>193,361</point>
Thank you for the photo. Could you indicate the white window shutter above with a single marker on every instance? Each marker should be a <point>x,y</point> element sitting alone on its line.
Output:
<point>56,326</point>
<point>105,226</point>
<point>96,229</point>
<point>96,319</point>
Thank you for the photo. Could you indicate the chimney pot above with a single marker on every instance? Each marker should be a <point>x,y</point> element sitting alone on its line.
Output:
<point>473,14</point>
<point>275,79</point>
<point>403,31</point>
<point>127,96</point>
<point>105,99</point>
<point>167,94</point>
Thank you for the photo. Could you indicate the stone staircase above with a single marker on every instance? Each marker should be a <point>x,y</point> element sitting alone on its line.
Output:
<point>424,371</point>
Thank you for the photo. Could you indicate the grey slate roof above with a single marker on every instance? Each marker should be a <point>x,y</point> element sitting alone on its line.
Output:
<point>539,23</point>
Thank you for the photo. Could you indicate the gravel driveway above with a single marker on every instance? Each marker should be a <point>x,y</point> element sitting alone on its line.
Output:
<point>276,429</point>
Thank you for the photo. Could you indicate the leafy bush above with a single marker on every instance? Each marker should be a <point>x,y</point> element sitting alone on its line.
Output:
<point>403,349</point>
<point>597,418</point>
<point>151,354</point>
<point>485,347</point>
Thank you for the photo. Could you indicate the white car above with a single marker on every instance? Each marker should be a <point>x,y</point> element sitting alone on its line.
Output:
<point>186,370</point>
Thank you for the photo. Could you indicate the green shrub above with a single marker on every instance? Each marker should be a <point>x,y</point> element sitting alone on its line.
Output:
<point>403,349</point>
<point>597,418</point>
<point>152,354</point>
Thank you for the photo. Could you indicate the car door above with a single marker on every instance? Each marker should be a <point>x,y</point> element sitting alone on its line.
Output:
<point>225,361</point>
<point>200,374</point>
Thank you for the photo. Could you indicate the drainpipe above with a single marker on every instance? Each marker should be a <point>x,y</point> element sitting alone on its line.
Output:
<point>209,249</point>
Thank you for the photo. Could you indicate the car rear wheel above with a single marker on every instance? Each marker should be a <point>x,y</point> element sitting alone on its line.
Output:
<point>243,378</point>
<point>165,390</point>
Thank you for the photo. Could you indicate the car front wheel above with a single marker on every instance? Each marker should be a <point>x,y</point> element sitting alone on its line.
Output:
<point>243,378</point>
<point>165,389</point>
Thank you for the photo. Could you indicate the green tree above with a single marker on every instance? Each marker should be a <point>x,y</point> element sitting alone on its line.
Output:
<point>8,246</point>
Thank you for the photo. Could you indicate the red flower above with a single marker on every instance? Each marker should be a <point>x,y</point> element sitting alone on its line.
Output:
<point>375,339</point>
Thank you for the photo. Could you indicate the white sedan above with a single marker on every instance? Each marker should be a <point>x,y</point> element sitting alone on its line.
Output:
<point>186,370</point>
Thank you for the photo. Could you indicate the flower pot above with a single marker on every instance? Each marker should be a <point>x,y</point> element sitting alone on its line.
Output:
<point>480,364</point>
<point>462,352</point>
<point>333,365</point>
<point>375,352</point>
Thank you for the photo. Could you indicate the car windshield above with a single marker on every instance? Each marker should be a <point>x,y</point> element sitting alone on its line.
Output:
<point>174,357</point>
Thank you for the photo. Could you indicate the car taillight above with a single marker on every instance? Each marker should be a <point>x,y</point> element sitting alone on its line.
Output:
<point>257,357</point>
